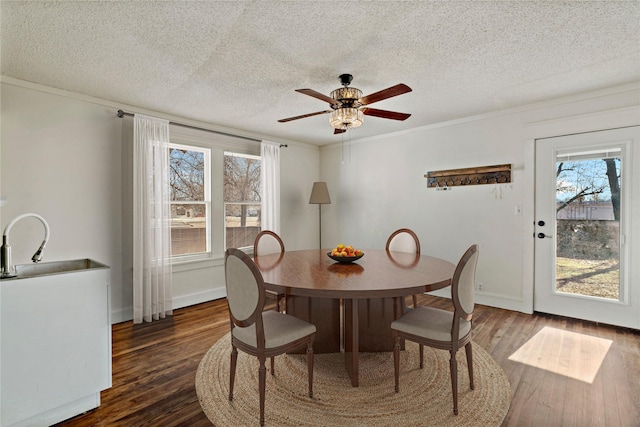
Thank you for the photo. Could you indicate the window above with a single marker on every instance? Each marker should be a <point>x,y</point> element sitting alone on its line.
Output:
<point>190,201</point>
<point>242,201</point>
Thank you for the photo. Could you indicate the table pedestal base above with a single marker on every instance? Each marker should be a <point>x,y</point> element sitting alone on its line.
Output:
<point>366,325</point>
<point>374,322</point>
<point>367,328</point>
<point>322,312</point>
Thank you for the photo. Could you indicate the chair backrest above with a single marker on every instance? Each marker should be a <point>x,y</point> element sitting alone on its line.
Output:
<point>245,289</point>
<point>267,242</point>
<point>463,283</point>
<point>403,240</point>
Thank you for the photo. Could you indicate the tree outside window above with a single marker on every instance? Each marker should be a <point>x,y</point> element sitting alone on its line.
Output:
<point>589,180</point>
<point>190,200</point>
<point>588,189</point>
<point>242,199</point>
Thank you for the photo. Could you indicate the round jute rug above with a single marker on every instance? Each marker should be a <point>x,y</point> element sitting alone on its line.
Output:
<point>424,398</point>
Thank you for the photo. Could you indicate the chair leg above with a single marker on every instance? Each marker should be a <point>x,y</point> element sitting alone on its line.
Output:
<point>310,366</point>
<point>232,370</point>
<point>273,366</point>
<point>421,356</point>
<point>453,365</point>
<point>469,363</point>
<point>396,358</point>
<point>262,385</point>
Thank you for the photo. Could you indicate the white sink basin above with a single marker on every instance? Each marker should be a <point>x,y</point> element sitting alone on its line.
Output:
<point>56,267</point>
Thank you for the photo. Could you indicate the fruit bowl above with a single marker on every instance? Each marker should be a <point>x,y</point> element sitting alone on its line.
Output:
<point>345,259</point>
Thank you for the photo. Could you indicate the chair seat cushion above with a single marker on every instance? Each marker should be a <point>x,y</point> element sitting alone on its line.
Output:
<point>279,329</point>
<point>430,323</point>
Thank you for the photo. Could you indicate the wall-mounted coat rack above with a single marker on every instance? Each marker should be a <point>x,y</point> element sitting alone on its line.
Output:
<point>469,176</point>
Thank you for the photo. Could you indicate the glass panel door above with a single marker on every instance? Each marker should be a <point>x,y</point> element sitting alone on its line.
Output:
<point>586,190</point>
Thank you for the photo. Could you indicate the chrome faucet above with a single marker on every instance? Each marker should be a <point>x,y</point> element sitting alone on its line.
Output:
<point>8,269</point>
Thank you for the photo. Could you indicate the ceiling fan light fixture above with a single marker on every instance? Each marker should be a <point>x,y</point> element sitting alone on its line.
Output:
<point>345,104</point>
<point>348,96</point>
<point>346,118</point>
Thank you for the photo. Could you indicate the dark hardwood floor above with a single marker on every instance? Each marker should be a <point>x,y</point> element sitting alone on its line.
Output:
<point>154,367</point>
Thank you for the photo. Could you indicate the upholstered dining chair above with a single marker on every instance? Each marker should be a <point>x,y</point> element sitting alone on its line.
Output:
<point>256,332</point>
<point>268,242</point>
<point>404,240</point>
<point>440,328</point>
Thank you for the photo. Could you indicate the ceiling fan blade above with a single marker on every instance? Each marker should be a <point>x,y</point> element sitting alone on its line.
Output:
<point>389,92</point>
<point>337,131</point>
<point>319,96</point>
<point>385,114</point>
<point>303,116</point>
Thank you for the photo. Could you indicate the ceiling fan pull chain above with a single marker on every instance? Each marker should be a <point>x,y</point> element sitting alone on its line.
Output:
<point>349,145</point>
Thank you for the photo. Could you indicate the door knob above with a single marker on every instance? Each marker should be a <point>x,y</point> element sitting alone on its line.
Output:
<point>542,236</point>
<point>541,223</point>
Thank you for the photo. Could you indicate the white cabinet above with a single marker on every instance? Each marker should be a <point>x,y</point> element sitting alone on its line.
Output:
<point>56,345</point>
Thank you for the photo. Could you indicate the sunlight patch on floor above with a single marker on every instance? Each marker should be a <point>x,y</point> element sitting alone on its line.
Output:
<point>566,353</point>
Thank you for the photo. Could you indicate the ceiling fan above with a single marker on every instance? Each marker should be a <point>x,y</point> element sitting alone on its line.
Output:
<point>347,105</point>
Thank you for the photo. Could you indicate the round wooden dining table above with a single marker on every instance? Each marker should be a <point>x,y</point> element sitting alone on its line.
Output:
<point>352,305</point>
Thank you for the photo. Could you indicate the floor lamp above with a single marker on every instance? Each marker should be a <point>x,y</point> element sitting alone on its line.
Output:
<point>320,196</point>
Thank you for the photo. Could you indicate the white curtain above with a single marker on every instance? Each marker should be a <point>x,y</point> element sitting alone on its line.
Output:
<point>270,176</point>
<point>152,275</point>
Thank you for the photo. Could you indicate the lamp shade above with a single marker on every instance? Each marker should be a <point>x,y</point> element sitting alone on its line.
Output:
<point>319,194</point>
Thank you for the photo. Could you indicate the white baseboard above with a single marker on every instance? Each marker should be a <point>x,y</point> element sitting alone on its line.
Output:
<point>180,301</point>
<point>499,301</point>
<point>121,315</point>
<point>61,413</point>
<point>198,297</point>
<point>491,300</point>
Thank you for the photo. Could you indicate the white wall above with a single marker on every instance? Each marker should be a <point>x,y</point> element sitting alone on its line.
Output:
<point>298,219</point>
<point>68,157</point>
<point>377,185</point>
<point>61,158</point>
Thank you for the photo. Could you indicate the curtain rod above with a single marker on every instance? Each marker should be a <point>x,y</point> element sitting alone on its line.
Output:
<point>121,114</point>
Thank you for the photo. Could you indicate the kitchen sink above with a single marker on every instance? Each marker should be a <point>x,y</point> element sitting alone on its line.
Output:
<point>24,271</point>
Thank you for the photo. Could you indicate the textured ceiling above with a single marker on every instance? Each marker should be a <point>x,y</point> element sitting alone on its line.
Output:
<point>236,64</point>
